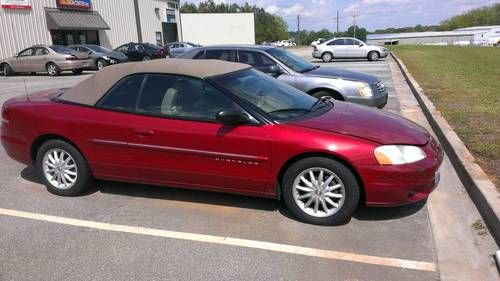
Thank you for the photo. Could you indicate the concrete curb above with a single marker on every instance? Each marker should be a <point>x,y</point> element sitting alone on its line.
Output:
<point>480,189</point>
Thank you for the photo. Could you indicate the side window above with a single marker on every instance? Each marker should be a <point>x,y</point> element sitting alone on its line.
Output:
<point>181,97</point>
<point>41,52</point>
<point>139,48</point>
<point>255,59</point>
<point>337,42</point>
<point>199,55</point>
<point>123,96</point>
<point>227,55</point>
<point>351,42</point>
<point>122,48</point>
<point>27,52</point>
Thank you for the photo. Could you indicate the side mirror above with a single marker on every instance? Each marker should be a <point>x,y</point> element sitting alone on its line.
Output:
<point>231,117</point>
<point>16,55</point>
<point>272,69</point>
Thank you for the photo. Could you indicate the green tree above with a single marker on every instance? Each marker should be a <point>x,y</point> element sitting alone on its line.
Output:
<point>489,15</point>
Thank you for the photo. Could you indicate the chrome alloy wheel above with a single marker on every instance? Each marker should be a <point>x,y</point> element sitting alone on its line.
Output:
<point>100,65</point>
<point>318,192</point>
<point>52,69</point>
<point>59,168</point>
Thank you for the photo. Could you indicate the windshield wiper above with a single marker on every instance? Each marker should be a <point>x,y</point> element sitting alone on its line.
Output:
<point>324,100</point>
<point>289,110</point>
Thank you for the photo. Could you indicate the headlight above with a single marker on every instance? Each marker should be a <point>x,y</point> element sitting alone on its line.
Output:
<point>364,89</point>
<point>398,154</point>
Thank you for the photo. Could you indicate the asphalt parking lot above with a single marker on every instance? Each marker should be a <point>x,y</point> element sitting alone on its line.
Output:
<point>137,232</point>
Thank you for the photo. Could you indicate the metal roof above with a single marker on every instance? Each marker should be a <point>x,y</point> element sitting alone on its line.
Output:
<point>419,34</point>
<point>73,20</point>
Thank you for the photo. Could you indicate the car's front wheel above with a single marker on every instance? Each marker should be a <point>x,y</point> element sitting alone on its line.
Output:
<point>373,56</point>
<point>321,191</point>
<point>62,168</point>
<point>146,58</point>
<point>327,57</point>
<point>101,64</point>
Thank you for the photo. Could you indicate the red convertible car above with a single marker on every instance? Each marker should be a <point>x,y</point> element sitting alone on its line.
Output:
<point>224,127</point>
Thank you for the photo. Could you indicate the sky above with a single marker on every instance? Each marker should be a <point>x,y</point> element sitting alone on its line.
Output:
<point>371,14</point>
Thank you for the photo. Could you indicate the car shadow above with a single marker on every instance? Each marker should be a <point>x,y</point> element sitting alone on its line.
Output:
<point>346,60</point>
<point>362,213</point>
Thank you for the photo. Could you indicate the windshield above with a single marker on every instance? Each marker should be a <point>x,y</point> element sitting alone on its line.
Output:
<point>271,96</point>
<point>62,49</point>
<point>98,49</point>
<point>294,62</point>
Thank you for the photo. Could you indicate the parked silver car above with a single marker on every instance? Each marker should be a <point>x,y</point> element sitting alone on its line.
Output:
<point>43,58</point>
<point>318,81</point>
<point>175,49</point>
<point>101,57</point>
<point>348,48</point>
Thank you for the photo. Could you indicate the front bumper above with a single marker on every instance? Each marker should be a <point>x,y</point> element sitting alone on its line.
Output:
<point>394,185</point>
<point>378,101</point>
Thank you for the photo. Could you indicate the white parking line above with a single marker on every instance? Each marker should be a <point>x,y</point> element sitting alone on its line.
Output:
<point>282,248</point>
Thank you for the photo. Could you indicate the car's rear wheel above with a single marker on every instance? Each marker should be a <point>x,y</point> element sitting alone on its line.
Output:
<point>77,71</point>
<point>52,69</point>
<point>63,169</point>
<point>6,70</point>
<point>101,64</point>
<point>327,57</point>
<point>321,191</point>
<point>373,56</point>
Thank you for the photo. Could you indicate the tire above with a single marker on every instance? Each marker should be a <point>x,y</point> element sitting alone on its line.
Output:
<point>334,95</point>
<point>100,64</point>
<point>373,56</point>
<point>52,69</point>
<point>77,71</point>
<point>82,174</point>
<point>343,184</point>
<point>327,57</point>
<point>146,58</point>
<point>7,70</point>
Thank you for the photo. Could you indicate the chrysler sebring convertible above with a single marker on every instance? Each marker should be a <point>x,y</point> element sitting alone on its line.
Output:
<point>221,126</point>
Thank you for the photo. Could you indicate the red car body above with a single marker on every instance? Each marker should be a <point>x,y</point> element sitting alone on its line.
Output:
<point>244,159</point>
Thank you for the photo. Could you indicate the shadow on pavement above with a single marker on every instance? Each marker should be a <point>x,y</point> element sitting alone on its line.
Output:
<point>362,213</point>
<point>345,60</point>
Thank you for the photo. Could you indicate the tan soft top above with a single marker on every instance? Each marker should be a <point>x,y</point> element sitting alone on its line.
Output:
<point>89,91</point>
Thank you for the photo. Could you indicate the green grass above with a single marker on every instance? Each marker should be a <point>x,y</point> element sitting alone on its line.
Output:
<point>464,84</point>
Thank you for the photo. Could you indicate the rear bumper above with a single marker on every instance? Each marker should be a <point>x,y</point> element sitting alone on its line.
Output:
<point>378,101</point>
<point>402,184</point>
<point>316,54</point>
<point>75,64</point>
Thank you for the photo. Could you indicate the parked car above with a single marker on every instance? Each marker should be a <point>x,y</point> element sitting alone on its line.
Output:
<point>317,81</point>
<point>285,43</point>
<point>348,48</point>
<point>175,49</point>
<point>142,51</point>
<point>318,41</point>
<point>220,126</point>
<point>100,56</point>
<point>43,58</point>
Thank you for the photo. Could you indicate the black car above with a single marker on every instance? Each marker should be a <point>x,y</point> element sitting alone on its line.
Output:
<point>101,56</point>
<point>142,51</point>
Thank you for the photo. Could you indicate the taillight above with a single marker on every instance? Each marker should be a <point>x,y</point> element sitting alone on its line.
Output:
<point>72,57</point>
<point>160,52</point>
<point>315,48</point>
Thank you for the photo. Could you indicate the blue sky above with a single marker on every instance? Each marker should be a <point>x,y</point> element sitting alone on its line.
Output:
<point>373,14</point>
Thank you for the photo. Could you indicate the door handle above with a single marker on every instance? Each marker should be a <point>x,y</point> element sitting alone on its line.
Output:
<point>144,132</point>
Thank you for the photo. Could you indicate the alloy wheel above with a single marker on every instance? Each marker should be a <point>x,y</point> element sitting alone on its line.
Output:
<point>59,168</point>
<point>318,192</point>
<point>100,64</point>
<point>51,69</point>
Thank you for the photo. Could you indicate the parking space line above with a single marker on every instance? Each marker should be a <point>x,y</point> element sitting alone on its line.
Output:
<point>229,241</point>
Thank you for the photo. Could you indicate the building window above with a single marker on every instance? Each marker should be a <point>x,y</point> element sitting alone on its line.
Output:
<point>170,18</point>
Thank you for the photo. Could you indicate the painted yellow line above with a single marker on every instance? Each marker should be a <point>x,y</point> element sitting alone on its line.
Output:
<point>268,246</point>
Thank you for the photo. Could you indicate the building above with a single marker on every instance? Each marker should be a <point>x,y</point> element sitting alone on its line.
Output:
<point>479,35</point>
<point>218,28</point>
<point>109,23</point>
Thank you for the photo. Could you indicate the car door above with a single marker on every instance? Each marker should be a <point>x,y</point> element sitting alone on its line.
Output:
<point>178,141</point>
<point>22,61</point>
<point>354,49</point>
<point>338,48</point>
<point>262,62</point>
<point>39,60</point>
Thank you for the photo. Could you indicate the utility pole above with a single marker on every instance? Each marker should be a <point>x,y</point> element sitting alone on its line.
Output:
<point>354,15</point>
<point>298,29</point>
<point>338,20</point>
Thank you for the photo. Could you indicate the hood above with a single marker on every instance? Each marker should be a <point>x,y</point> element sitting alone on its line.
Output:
<point>333,72</point>
<point>116,55</point>
<point>367,123</point>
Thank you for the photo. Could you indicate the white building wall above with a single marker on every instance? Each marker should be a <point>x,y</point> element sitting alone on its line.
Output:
<point>20,29</point>
<point>120,16</point>
<point>151,20</point>
<point>213,29</point>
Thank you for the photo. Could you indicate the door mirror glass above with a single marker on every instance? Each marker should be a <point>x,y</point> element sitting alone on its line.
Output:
<point>231,117</point>
<point>271,69</point>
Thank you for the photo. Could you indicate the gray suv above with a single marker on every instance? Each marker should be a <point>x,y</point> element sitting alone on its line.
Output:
<point>317,81</point>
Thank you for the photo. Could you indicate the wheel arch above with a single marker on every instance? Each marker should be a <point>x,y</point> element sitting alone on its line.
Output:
<point>335,92</point>
<point>305,155</point>
<point>371,51</point>
<point>40,140</point>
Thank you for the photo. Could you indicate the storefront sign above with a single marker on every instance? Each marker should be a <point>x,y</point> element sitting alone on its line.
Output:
<point>15,4</point>
<point>74,4</point>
